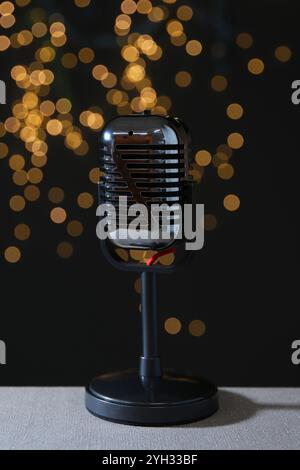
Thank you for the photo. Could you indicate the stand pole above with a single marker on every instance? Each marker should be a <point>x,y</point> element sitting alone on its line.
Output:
<point>149,361</point>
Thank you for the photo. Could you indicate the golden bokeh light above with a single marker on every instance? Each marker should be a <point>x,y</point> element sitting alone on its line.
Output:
<point>156,14</point>
<point>110,80</point>
<point>22,232</point>
<point>172,326</point>
<point>57,29</point>
<point>2,129</point>
<point>196,174</point>
<point>47,108</point>
<point>210,222</point>
<point>116,97</point>
<point>28,134</point>
<point>225,171</point>
<point>69,60</point>
<point>135,72</point>
<point>225,150</point>
<point>219,83</point>
<point>167,260</point>
<point>35,175</point>
<point>56,195</point>
<point>46,54</point>
<point>58,41</point>
<point>17,203</point>
<point>4,42</point>
<point>231,202</point>
<point>86,55</point>
<point>63,105</point>
<point>32,193</point>
<point>39,160</point>
<point>24,37</point>
<point>82,3</point>
<point>184,13</point>
<point>12,124</point>
<point>18,72</point>
<point>16,162</point>
<point>256,66</point>
<point>128,7</point>
<point>137,285</point>
<point>58,215</point>
<point>193,47</point>
<point>219,158</point>
<point>123,22</point>
<point>95,121</point>
<point>94,175</point>
<point>244,40</point>
<point>73,139</point>
<point>6,8</point>
<point>179,40</point>
<point>39,29</point>
<point>137,255</point>
<point>20,178</point>
<point>100,72</point>
<point>7,21</point>
<point>197,328</point>
<point>234,111</point>
<point>174,28</point>
<point>85,200</point>
<point>138,105</point>
<point>183,79</point>
<point>54,127</point>
<point>203,158</point>
<point>3,150</point>
<point>39,148</point>
<point>122,254</point>
<point>283,53</point>
<point>30,100</point>
<point>82,149</point>
<point>235,140</point>
<point>65,250</point>
<point>12,254</point>
<point>22,3</point>
<point>144,7</point>
<point>130,53</point>
<point>74,228</point>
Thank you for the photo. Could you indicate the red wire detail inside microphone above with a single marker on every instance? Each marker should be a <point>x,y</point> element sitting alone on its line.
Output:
<point>153,258</point>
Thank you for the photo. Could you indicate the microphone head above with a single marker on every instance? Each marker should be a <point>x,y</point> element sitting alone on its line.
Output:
<point>144,159</point>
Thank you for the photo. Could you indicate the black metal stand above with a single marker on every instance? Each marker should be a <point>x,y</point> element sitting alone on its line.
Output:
<point>148,396</point>
<point>150,360</point>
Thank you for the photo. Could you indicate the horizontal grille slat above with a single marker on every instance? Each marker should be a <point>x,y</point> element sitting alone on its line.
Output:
<point>157,173</point>
<point>152,156</point>
<point>165,165</point>
<point>134,147</point>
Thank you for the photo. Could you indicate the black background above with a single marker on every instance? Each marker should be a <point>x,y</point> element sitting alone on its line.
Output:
<point>66,320</point>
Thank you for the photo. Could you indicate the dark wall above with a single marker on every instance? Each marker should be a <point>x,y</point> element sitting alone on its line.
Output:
<point>64,320</point>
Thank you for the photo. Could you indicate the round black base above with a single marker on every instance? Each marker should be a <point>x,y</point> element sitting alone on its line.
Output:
<point>125,397</point>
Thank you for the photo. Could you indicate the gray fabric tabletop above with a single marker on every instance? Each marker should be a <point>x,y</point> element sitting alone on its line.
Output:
<point>55,418</point>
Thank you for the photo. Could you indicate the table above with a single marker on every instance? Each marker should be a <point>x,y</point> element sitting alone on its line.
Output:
<point>55,418</point>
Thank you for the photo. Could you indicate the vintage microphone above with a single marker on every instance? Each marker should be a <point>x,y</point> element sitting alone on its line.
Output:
<point>144,160</point>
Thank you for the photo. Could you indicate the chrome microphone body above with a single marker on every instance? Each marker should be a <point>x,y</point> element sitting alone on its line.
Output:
<point>144,160</point>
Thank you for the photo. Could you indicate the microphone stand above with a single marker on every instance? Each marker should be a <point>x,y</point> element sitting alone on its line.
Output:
<point>148,395</point>
<point>149,361</point>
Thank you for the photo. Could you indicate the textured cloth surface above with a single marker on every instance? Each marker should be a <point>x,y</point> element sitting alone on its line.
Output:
<point>55,418</point>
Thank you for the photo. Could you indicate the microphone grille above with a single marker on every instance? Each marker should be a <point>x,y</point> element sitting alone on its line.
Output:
<point>145,173</point>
